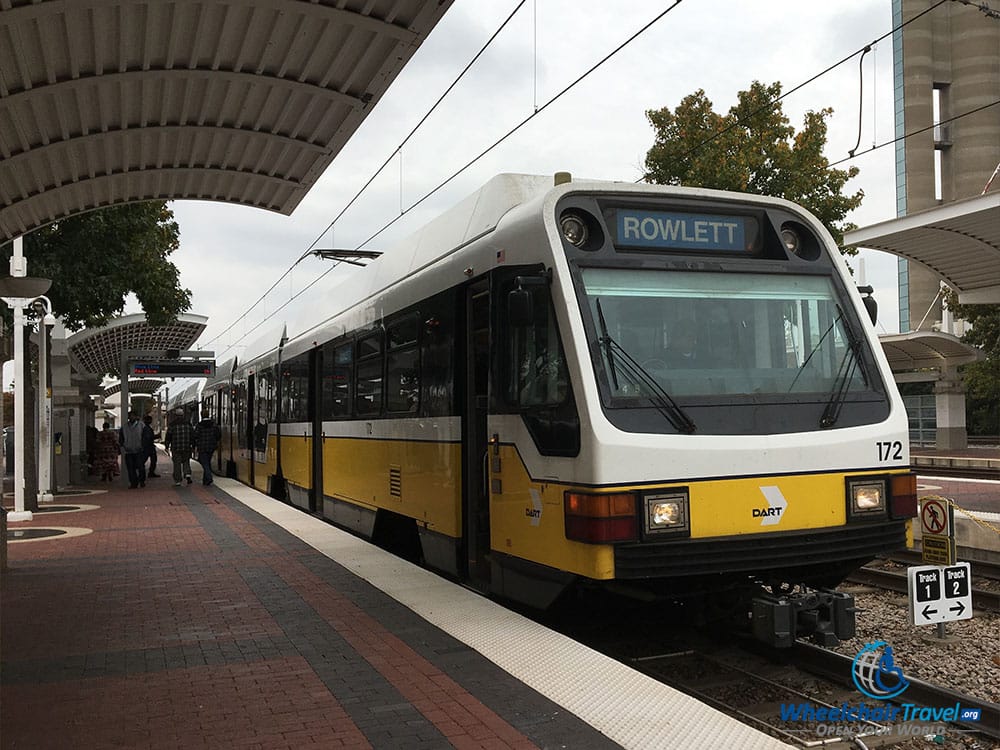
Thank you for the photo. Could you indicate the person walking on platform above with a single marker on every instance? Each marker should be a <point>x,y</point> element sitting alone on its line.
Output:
<point>149,446</point>
<point>206,436</point>
<point>106,454</point>
<point>179,441</point>
<point>130,437</point>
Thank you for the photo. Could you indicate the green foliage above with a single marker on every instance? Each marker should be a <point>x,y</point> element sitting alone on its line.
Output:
<point>982,379</point>
<point>752,149</point>
<point>95,259</point>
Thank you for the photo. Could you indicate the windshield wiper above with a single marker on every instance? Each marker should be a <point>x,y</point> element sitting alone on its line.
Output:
<point>816,346</point>
<point>606,339</point>
<point>850,363</point>
<point>660,399</point>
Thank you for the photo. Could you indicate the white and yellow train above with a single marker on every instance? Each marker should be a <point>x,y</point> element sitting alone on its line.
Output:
<point>666,390</point>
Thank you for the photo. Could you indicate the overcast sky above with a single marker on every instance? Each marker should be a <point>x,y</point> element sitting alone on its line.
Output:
<point>230,255</point>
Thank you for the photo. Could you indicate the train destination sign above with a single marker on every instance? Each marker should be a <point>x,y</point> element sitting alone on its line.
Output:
<point>175,368</point>
<point>940,593</point>
<point>684,231</point>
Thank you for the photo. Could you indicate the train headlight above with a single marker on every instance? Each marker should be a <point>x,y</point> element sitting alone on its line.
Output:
<point>867,496</point>
<point>791,240</point>
<point>667,513</point>
<point>574,230</point>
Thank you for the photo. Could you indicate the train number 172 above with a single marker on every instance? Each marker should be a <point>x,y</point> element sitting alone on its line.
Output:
<point>889,450</point>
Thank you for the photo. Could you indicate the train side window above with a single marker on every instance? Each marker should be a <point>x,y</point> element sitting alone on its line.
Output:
<point>295,389</point>
<point>338,377</point>
<point>437,357</point>
<point>368,388</point>
<point>266,387</point>
<point>240,410</point>
<point>403,367</point>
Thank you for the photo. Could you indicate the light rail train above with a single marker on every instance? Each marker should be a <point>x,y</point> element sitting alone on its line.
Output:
<point>665,391</point>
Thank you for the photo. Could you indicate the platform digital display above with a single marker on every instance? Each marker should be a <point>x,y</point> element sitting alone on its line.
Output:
<point>670,230</point>
<point>176,369</point>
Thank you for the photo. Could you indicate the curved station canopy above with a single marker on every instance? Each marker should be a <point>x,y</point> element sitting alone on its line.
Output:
<point>922,350</point>
<point>98,351</point>
<point>959,241</point>
<point>242,101</point>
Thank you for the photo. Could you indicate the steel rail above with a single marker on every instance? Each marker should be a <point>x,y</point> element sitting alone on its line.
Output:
<point>837,667</point>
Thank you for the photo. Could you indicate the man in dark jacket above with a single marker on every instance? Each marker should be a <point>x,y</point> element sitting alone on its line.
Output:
<point>149,445</point>
<point>179,441</point>
<point>206,437</point>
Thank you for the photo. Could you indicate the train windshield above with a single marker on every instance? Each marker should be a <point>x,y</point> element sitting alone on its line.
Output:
<point>713,334</point>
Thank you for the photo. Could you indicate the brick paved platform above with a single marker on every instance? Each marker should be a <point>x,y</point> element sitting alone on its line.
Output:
<point>177,617</point>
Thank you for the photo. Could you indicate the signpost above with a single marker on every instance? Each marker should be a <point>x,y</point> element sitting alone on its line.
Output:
<point>940,594</point>
<point>937,524</point>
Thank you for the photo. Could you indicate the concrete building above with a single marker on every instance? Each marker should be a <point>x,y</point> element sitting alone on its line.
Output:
<point>946,64</point>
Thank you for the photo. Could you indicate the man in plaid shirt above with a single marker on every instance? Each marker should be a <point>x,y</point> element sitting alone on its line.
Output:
<point>179,442</point>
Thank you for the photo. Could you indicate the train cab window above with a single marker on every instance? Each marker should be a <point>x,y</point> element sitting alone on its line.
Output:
<point>368,393</point>
<point>537,367</point>
<point>537,379</point>
<point>338,377</point>
<point>403,367</point>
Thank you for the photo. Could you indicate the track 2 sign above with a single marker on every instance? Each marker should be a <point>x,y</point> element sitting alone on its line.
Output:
<point>940,594</point>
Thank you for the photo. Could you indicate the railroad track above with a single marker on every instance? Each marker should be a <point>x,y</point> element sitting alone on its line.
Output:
<point>835,667</point>
<point>757,685</point>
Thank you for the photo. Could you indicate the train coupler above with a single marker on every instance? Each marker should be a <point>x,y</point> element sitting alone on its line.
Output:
<point>825,615</point>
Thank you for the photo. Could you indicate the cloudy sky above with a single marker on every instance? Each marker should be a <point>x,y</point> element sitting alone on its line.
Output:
<point>230,255</point>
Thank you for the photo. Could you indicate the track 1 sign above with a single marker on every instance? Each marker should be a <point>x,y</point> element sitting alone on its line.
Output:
<point>940,594</point>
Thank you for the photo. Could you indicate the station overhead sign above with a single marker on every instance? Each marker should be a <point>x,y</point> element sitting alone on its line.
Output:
<point>174,368</point>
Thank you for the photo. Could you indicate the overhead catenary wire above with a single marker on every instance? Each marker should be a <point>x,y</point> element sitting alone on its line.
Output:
<point>769,105</point>
<point>379,171</point>
<point>537,111</point>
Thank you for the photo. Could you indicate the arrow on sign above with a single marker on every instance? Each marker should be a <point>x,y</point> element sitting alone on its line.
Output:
<point>927,612</point>
<point>959,608</point>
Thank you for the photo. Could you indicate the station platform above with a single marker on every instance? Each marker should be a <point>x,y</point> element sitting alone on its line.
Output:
<point>981,459</point>
<point>216,617</point>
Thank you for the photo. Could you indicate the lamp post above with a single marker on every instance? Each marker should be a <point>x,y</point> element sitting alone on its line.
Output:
<point>18,291</point>
<point>42,307</point>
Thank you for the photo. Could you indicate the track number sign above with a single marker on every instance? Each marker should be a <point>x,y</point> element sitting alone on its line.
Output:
<point>940,594</point>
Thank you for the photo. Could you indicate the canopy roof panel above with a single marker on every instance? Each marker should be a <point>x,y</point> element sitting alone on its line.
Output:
<point>959,241</point>
<point>98,351</point>
<point>921,350</point>
<point>135,385</point>
<point>245,101</point>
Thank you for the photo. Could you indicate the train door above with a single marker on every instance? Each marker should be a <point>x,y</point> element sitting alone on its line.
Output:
<point>475,489</point>
<point>248,426</point>
<point>316,410</point>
